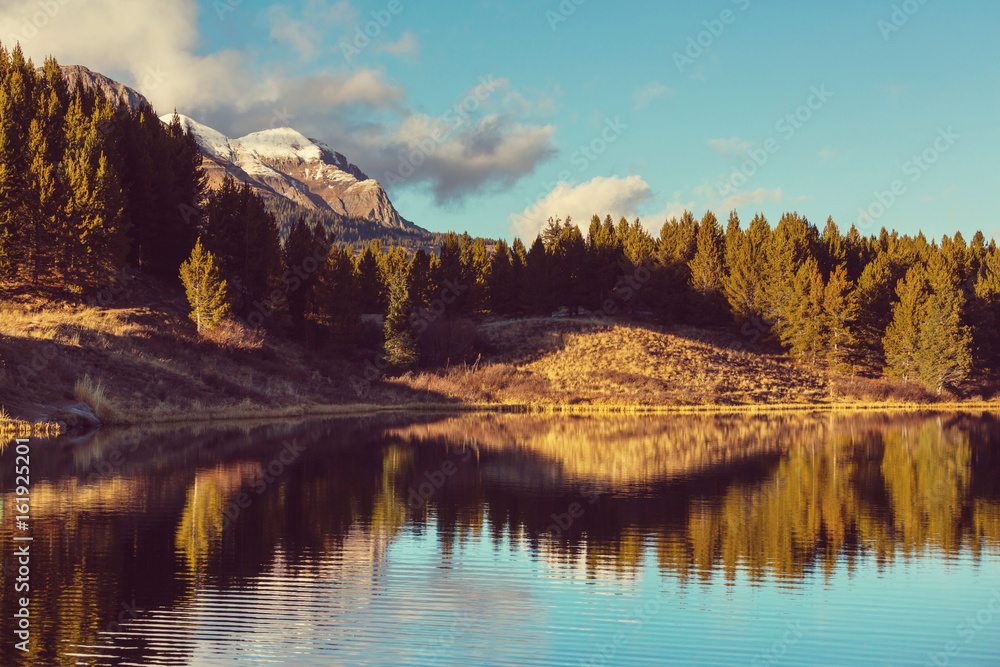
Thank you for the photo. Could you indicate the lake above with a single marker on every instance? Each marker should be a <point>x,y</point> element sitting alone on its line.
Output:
<point>513,540</point>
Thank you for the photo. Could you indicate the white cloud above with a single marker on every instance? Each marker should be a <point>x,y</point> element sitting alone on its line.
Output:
<point>156,48</point>
<point>601,195</point>
<point>152,46</point>
<point>405,47</point>
<point>644,96</point>
<point>827,154</point>
<point>730,147</point>
<point>758,196</point>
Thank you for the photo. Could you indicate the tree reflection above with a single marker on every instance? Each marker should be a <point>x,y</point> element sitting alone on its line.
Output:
<point>775,497</point>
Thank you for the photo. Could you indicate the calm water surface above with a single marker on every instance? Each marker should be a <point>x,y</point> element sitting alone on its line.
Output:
<point>513,540</point>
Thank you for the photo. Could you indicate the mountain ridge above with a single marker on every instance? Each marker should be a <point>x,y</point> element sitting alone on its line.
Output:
<point>278,163</point>
<point>284,163</point>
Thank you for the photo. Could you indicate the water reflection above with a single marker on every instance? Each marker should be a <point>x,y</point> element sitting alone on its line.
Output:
<point>169,547</point>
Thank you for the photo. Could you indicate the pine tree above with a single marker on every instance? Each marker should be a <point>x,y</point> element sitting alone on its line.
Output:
<point>985,311</point>
<point>902,338</point>
<point>501,283</point>
<point>840,312</point>
<point>732,241</point>
<point>400,342</point>
<point>744,285</point>
<point>568,256</point>
<point>206,291</point>
<point>944,354</point>
<point>791,244</point>
<point>475,264</point>
<point>303,248</point>
<point>372,289</point>
<point>832,249</point>
<point>420,280</point>
<point>707,266</point>
<point>336,305</point>
<point>536,296</point>
<point>806,333</point>
<point>518,263</point>
<point>876,296</point>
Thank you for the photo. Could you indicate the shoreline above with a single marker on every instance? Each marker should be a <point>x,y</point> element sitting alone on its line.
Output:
<point>11,427</point>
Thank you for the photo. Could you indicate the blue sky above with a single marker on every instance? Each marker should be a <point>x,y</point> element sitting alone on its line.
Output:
<point>666,134</point>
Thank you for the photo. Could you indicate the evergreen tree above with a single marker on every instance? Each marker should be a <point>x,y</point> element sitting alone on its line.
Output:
<point>518,263</point>
<point>707,266</point>
<point>502,283</point>
<point>420,281</point>
<point>985,311</point>
<point>840,312</point>
<point>876,296</point>
<point>568,256</point>
<point>475,264</point>
<point>832,248</point>
<point>744,286</point>
<point>536,295</point>
<point>806,332</point>
<point>902,338</point>
<point>944,355</point>
<point>791,244</point>
<point>206,290</point>
<point>337,308</point>
<point>303,252</point>
<point>400,342</point>
<point>732,241</point>
<point>372,289</point>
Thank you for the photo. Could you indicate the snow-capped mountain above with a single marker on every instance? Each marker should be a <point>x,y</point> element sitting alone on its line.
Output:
<point>279,163</point>
<point>285,163</point>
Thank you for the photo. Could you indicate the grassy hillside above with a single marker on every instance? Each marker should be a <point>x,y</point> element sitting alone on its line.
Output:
<point>141,361</point>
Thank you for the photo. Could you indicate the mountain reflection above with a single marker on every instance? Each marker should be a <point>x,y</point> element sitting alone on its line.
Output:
<point>146,520</point>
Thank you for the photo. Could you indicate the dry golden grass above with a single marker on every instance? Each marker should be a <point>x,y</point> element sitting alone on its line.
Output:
<point>582,362</point>
<point>146,364</point>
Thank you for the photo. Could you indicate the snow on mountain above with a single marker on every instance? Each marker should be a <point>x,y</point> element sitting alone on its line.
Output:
<point>213,144</point>
<point>281,144</point>
<point>284,163</point>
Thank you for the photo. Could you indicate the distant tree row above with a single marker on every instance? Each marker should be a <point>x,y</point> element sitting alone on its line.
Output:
<point>901,305</point>
<point>85,187</point>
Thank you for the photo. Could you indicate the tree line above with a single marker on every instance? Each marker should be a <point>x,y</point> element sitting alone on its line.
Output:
<point>904,306</point>
<point>87,189</point>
